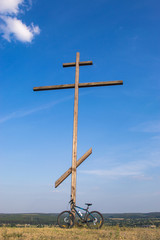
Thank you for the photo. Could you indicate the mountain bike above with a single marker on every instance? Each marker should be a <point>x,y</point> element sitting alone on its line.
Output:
<point>93,219</point>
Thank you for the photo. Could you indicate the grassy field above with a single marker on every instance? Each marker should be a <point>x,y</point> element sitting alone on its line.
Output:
<point>110,233</point>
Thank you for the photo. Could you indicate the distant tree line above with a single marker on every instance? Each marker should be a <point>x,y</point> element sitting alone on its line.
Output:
<point>122,220</point>
<point>32,219</point>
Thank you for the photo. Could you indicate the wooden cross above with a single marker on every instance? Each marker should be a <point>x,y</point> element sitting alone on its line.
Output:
<point>76,86</point>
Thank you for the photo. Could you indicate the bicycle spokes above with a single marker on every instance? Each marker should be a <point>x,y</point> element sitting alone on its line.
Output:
<point>66,219</point>
<point>95,220</point>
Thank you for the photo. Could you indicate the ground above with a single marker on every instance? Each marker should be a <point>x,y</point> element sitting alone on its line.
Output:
<point>109,233</point>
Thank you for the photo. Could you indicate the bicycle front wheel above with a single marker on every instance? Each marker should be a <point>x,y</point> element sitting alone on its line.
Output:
<point>66,219</point>
<point>94,220</point>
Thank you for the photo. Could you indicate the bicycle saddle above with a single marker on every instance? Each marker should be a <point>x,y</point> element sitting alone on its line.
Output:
<point>88,204</point>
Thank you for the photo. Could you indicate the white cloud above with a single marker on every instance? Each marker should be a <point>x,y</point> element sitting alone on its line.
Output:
<point>156,137</point>
<point>115,172</point>
<point>133,169</point>
<point>10,6</point>
<point>22,113</point>
<point>143,177</point>
<point>148,127</point>
<point>12,27</point>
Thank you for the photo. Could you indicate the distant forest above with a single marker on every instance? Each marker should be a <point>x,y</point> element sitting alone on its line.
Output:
<point>125,219</point>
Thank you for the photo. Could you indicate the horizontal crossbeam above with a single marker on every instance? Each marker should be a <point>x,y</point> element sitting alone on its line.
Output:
<point>69,171</point>
<point>73,64</point>
<point>80,85</point>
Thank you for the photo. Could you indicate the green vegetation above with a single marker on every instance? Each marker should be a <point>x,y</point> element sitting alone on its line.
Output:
<point>122,220</point>
<point>31,219</point>
<point>133,219</point>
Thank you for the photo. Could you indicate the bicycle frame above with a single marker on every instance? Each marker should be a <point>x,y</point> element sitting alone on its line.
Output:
<point>84,209</point>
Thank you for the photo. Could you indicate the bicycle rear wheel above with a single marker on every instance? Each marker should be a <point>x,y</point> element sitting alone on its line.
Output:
<point>66,219</point>
<point>95,220</point>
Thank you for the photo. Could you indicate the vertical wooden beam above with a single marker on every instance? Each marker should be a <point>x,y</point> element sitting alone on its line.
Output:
<point>75,124</point>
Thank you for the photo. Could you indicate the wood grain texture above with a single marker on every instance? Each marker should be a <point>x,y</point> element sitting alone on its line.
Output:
<point>75,125</point>
<point>73,64</point>
<point>80,85</point>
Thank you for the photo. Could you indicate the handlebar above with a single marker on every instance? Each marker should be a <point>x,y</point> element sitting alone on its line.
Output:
<point>71,201</point>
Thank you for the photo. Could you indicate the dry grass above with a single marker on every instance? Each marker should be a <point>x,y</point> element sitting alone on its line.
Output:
<point>109,233</point>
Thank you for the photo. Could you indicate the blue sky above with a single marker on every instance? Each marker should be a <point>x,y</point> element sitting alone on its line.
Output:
<point>120,123</point>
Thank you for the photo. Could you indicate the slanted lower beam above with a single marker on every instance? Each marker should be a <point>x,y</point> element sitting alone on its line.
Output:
<point>69,171</point>
<point>80,85</point>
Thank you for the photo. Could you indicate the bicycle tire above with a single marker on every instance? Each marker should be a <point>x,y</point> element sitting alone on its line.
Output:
<point>94,220</point>
<point>66,219</point>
